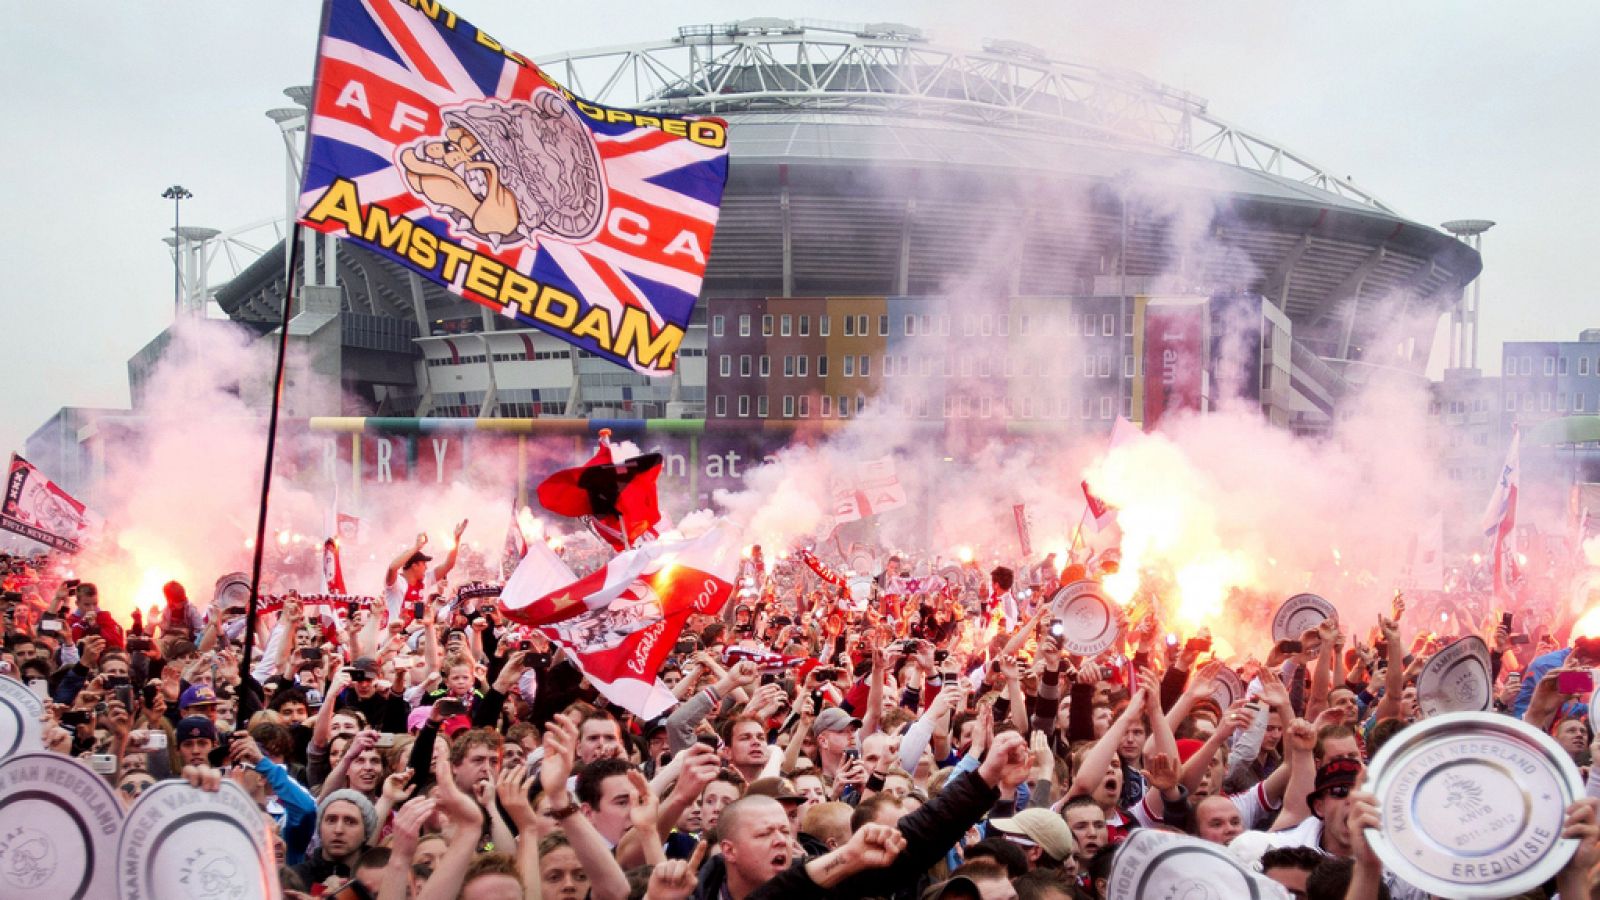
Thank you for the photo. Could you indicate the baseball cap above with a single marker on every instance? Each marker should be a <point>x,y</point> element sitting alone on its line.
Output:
<point>180,649</point>
<point>834,719</point>
<point>417,557</point>
<point>958,888</point>
<point>1043,827</point>
<point>198,695</point>
<point>1333,774</point>
<point>196,727</point>
<point>366,664</point>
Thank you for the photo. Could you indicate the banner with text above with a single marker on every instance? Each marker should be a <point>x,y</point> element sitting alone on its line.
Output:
<point>36,508</point>
<point>1174,358</point>
<point>435,146</point>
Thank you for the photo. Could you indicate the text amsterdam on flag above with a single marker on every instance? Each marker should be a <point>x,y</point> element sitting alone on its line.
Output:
<point>434,146</point>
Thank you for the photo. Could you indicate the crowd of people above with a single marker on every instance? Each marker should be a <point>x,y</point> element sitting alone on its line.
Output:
<point>935,742</point>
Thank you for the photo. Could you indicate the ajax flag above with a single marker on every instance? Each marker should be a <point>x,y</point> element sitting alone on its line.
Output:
<point>36,508</point>
<point>433,145</point>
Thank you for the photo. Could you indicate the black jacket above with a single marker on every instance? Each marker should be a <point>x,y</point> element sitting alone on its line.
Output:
<point>930,832</point>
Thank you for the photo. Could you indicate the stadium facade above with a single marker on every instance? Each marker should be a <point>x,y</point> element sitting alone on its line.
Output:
<point>964,209</point>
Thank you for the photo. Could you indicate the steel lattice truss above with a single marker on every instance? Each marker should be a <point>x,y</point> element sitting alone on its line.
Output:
<point>768,65</point>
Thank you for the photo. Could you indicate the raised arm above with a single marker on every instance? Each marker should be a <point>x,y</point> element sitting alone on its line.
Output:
<point>393,572</point>
<point>1301,738</point>
<point>442,570</point>
<point>1394,674</point>
<point>606,878</point>
<point>1092,769</point>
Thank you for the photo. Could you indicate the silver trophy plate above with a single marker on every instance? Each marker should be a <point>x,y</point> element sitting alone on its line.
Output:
<point>1472,805</point>
<point>1300,614</point>
<point>1089,620</point>
<point>1456,679</point>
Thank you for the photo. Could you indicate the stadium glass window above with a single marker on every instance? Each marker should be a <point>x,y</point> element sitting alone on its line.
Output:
<point>911,326</point>
<point>744,326</point>
<point>726,366</point>
<point>801,365</point>
<point>805,406</point>
<point>765,368</point>
<point>785,325</point>
<point>1561,366</point>
<point>716,326</point>
<point>883,326</point>
<point>722,406</point>
<point>849,366</point>
<point>825,406</point>
<point>849,326</point>
<point>844,407</point>
<point>1002,325</point>
<point>788,406</point>
<point>861,325</point>
<point>822,367</point>
<point>744,405</point>
<point>1108,324</point>
<point>744,366</point>
<point>864,366</point>
<point>761,406</point>
<point>822,326</point>
<point>788,367</point>
<point>805,326</point>
<point>1549,365</point>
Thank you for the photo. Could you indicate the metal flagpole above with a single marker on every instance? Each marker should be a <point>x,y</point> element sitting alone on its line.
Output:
<point>1077,533</point>
<point>266,465</point>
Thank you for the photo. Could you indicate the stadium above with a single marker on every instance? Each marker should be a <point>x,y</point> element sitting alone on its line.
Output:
<point>878,176</point>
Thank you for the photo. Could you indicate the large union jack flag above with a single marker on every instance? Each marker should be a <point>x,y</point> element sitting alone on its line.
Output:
<point>433,145</point>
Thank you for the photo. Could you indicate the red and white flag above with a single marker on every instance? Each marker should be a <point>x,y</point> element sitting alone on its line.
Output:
<point>620,622</point>
<point>332,569</point>
<point>1101,513</point>
<point>873,487</point>
<point>1500,518</point>
<point>615,497</point>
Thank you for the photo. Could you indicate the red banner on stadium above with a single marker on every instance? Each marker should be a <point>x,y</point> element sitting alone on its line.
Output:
<point>1174,358</point>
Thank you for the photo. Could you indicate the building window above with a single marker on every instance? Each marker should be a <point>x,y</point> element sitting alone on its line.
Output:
<point>1088,367</point>
<point>865,365</point>
<point>985,407</point>
<point>825,409</point>
<point>744,405</point>
<point>822,367</point>
<point>983,367</point>
<point>1022,324</point>
<point>944,324</point>
<point>844,407</point>
<point>1577,403</point>
<point>744,326</point>
<point>1583,365</point>
<point>805,406</point>
<point>722,406</point>
<point>861,325</point>
<point>716,326</point>
<point>911,326</point>
<point>883,326</point>
<point>785,325</point>
<point>1549,365</point>
<point>1128,366</point>
<point>986,324</point>
<point>1089,326</point>
<point>822,326</point>
<point>1561,401</point>
<point>1105,367</point>
<point>861,404</point>
<point>766,366</point>
<point>1561,366</point>
<point>801,361</point>
<point>1127,325</point>
<point>788,406</point>
<point>744,366</point>
<point>849,366</point>
<point>1002,325</point>
<point>1544,402</point>
<point>761,406</point>
<point>888,366</point>
<point>788,367</point>
<point>1084,407</point>
<point>805,326</point>
<point>1527,365</point>
<point>766,326</point>
<point>849,326</point>
<point>1108,324</point>
<point>726,366</point>
<point>1105,407</point>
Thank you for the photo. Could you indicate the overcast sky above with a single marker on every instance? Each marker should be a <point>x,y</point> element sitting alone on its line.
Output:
<point>1443,109</point>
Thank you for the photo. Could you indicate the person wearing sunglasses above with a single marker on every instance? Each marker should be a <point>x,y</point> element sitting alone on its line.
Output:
<point>1326,829</point>
<point>131,785</point>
